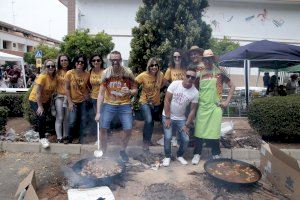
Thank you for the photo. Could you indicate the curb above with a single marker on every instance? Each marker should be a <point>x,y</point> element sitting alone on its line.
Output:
<point>77,149</point>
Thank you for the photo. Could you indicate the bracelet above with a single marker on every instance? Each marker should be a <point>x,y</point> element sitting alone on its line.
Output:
<point>167,117</point>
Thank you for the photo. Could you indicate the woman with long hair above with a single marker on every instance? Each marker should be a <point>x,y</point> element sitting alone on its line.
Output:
<point>151,82</point>
<point>97,67</point>
<point>40,97</point>
<point>77,81</point>
<point>61,121</point>
<point>176,68</point>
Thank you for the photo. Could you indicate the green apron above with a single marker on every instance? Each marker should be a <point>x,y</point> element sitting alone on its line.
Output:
<point>209,114</point>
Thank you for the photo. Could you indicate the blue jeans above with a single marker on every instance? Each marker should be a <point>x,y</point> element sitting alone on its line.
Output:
<point>124,112</point>
<point>148,113</point>
<point>79,111</point>
<point>182,137</point>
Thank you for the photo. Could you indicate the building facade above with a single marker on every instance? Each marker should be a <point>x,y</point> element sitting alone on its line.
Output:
<point>244,21</point>
<point>17,41</point>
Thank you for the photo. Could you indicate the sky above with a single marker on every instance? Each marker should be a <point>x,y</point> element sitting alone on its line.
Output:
<point>46,17</point>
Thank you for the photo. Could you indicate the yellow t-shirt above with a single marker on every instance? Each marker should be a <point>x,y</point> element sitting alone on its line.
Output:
<point>173,74</point>
<point>78,85</point>
<point>150,87</point>
<point>49,85</point>
<point>95,79</point>
<point>61,81</point>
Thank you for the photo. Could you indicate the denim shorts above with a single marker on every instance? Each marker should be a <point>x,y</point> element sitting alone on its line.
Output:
<point>124,113</point>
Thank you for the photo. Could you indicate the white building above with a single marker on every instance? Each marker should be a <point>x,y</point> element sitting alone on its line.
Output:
<point>17,41</point>
<point>241,20</point>
<point>244,21</point>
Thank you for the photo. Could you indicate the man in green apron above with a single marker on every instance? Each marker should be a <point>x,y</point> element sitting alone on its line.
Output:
<point>209,113</point>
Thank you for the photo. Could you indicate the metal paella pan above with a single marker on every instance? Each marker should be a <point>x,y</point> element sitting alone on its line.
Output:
<point>232,171</point>
<point>99,172</point>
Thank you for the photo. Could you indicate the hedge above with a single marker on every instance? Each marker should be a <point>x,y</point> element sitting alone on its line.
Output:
<point>3,118</point>
<point>276,118</point>
<point>13,101</point>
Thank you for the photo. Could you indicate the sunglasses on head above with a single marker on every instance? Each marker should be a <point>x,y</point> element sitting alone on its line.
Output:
<point>154,65</point>
<point>190,77</point>
<point>80,61</point>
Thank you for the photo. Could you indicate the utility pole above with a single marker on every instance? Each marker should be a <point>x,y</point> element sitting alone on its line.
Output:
<point>13,12</point>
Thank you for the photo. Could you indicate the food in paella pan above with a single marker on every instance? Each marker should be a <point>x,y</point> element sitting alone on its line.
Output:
<point>100,168</point>
<point>233,172</point>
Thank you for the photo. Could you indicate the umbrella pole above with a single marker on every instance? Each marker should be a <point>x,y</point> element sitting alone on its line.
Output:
<point>246,67</point>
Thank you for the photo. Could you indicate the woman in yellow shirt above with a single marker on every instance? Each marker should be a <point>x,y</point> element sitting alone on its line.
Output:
<point>61,121</point>
<point>40,98</point>
<point>151,82</point>
<point>96,63</point>
<point>77,81</point>
<point>176,68</point>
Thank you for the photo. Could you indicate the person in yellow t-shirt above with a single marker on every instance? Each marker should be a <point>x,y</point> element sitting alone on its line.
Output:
<point>117,87</point>
<point>151,82</point>
<point>61,120</point>
<point>97,67</point>
<point>77,91</point>
<point>96,63</point>
<point>176,68</point>
<point>40,98</point>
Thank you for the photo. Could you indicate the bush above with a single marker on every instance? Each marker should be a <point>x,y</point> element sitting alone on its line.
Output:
<point>30,115</point>
<point>276,118</point>
<point>3,118</point>
<point>13,101</point>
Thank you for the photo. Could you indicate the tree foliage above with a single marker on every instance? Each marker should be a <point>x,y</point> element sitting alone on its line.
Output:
<point>48,53</point>
<point>80,42</point>
<point>220,47</point>
<point>165,25</point>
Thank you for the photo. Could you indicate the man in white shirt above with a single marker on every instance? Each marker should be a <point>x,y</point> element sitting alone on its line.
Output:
<point>179,96</point>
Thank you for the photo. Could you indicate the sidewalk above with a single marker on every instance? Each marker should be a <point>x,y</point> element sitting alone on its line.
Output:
<point>77,149</point>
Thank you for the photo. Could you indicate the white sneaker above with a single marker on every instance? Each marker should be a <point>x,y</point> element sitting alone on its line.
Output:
<point>217,156</point>
<point>45,143</point>
<point>196,159</point>
<point>166,162</point>
<point>182,160</point>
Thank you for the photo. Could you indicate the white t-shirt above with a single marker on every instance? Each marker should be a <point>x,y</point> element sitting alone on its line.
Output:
<point>181,98</point>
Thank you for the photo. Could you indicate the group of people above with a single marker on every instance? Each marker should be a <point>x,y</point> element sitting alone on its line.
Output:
<point>193,89</point>
<point>291,86</point>
<point>11,77</point>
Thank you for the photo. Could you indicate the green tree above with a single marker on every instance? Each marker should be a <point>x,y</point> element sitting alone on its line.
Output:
<point>48,53</point>
<point>165,25</point>
<point>81,42</point>
<point>225,45</point>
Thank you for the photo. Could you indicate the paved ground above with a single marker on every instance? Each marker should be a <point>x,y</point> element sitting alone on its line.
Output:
<point>175,182</point>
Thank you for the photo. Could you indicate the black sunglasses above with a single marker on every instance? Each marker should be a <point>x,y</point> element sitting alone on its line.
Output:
<point>207,59</point>
<point>94,60</point>
<point>48,66</point>
<point>190,77</point>
<point>176,57</point>
<point>154,65</point>
<point>65,60</point>
<point>80,61</point>
<point>115,60</point>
